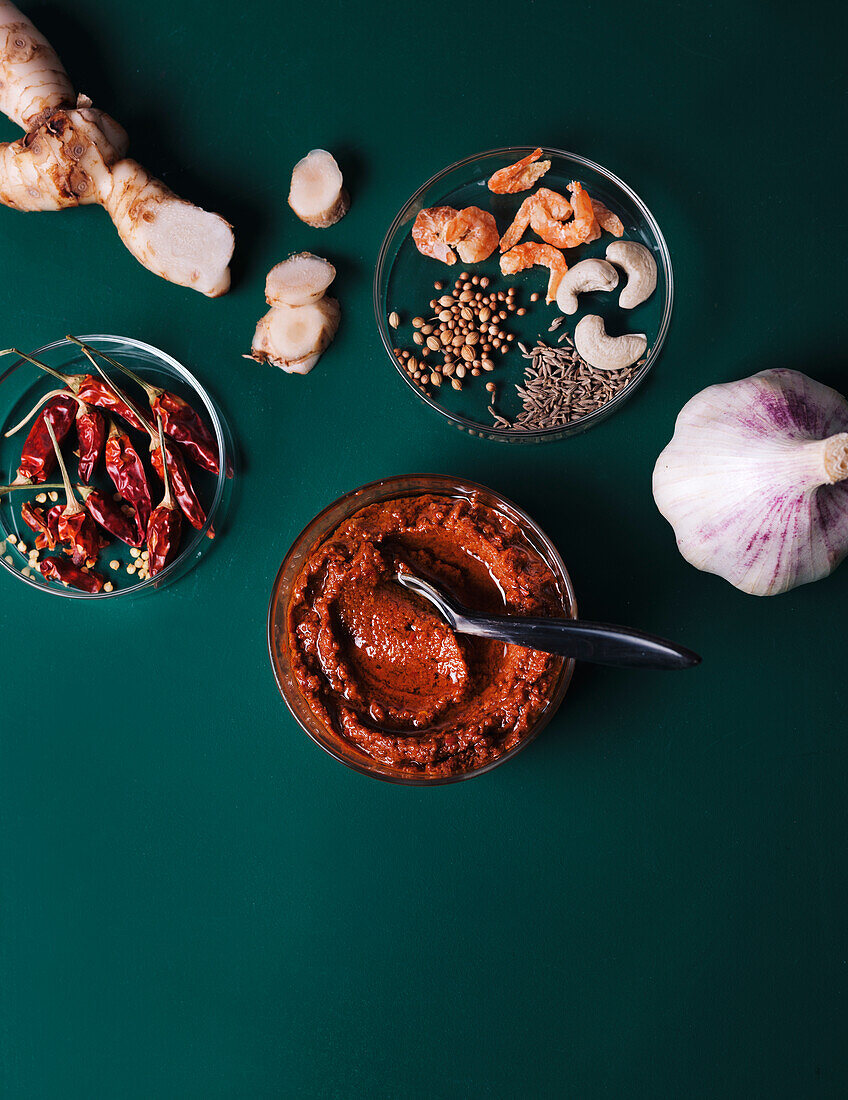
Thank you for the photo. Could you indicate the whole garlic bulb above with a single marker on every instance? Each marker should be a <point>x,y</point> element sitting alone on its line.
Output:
<point>754,481</point>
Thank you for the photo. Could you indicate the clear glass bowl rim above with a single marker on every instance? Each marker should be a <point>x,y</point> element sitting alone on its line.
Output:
<point>474,427</point>
<point>218,429</point>
<point>383,489</point>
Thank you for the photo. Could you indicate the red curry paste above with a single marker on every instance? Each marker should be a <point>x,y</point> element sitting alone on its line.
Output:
<point>382,670</point>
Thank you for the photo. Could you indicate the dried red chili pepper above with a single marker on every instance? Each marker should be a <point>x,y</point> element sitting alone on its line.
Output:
<point>53,524</point>
<point>127,473</point>
<point>60,570</point>
<point>76,527</point>
<point>91,433</point>
<point>182,487</point>
<point>180,481</point>
<point>180,421</point>
<point>38,458</point>
<point>102,396</point>
<point>36,520</point>
<point>165,525</point>
<point>110,517</point>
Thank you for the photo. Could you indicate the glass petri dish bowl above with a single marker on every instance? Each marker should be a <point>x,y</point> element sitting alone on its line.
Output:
<point>322,528</point>
<point>21,386</point>
<point>404,278</point>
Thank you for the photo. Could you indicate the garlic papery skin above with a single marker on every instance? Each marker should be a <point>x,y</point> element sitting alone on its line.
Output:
<point>755,481</point>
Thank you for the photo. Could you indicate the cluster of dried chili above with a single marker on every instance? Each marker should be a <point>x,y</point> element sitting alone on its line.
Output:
<point>77,529</point>
<point>181,484</point>
<point>180,421</point>
<point>91,430</point>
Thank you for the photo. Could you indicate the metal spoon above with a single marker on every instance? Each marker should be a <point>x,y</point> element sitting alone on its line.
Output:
<point>599,643</point>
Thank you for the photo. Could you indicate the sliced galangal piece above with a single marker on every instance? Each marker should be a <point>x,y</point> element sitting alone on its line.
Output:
<point>293,337</point>
<point>299,280</point>
<point>317,193</point>
<point>519,176</point>
<point>528,254</point>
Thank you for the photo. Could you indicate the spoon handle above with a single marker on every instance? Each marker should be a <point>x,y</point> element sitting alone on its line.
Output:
<point>600,643</point>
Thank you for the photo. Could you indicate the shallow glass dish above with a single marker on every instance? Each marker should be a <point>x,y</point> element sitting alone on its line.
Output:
<point>322,528</point>
<point>404,278</point>
<point>22,384</point>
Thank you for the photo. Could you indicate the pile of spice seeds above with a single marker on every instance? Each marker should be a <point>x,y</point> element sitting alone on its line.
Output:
<point>560,387</point>
<point>466,331</point>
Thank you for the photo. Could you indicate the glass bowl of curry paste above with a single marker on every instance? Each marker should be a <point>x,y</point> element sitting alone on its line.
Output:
<point>372,672</point>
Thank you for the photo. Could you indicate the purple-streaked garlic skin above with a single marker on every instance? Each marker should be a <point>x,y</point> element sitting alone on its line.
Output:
<point>745,484</point>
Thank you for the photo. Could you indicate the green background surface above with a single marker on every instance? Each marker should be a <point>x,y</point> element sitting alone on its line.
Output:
<point>651,899</point>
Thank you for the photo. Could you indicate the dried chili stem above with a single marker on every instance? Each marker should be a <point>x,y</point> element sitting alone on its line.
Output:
<point>118,393</point>
<point>35,487</point>
<point>167,499</point>
<point>73,506</point>
<point>47,397</point>
<point>150,390</point>
<point>65,379</point>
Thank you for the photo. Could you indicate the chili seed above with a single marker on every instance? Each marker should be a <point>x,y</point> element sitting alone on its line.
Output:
<point>41,498</point>
<point>135,552</point>
<point>108,587</point>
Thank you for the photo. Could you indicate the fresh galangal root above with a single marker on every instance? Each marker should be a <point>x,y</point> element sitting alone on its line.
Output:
<point>74,155</point>
<point>301,322</point>
<point>299,280</point>
<point>317,193</point>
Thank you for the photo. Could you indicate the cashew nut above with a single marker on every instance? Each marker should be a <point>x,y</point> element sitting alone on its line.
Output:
<point>606,352</point>
<point>583,277</point>
<point>640,267</point>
